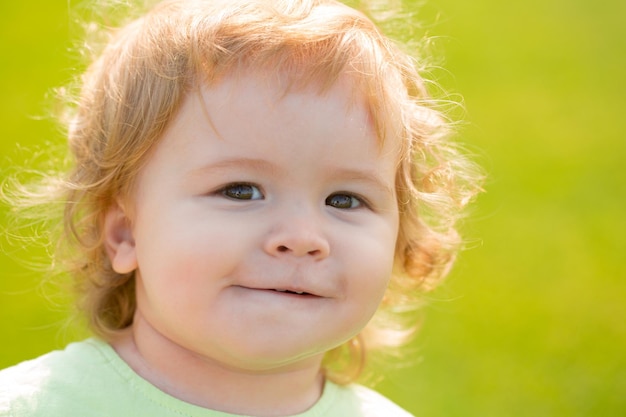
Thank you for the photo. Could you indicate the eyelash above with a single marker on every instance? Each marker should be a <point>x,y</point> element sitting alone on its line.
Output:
<point>360,202</point>
<point>253,192</point>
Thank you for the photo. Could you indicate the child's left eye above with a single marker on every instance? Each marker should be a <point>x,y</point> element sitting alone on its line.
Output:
<point>343,201</point>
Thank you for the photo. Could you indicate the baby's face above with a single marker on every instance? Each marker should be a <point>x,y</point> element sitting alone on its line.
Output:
<point>264,224</point>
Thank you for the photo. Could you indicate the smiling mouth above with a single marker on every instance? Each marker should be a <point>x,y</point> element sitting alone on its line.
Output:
<point>287,292</point>
<point>292,292</point>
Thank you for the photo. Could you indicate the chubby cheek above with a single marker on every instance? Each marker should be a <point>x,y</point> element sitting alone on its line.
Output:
<point>172,269</point>
<point>184,243</point>
<point>370,273</point>
<point>384,255</point>
<point>372,285</point>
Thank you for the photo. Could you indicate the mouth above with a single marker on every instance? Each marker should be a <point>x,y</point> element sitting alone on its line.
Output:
<point>285,291</point>
<point>292,292</point>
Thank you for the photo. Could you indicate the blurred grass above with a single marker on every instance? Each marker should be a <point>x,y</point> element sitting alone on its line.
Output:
<point>532,321</point>
<point>34,57</point>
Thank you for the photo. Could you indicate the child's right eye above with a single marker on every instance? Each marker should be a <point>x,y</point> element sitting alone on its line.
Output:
<point>242,191</point>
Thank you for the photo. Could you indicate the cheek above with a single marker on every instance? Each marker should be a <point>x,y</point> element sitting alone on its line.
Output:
<point>370,268</point>
<point>383,257</point>
<point>170,266</point>
<point>184,264</point>
<point>186,241</point>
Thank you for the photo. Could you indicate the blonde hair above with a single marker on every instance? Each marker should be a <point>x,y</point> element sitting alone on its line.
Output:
<point>135,85</point>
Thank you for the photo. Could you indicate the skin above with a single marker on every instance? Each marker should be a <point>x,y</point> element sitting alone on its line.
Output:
<point>252,197</point>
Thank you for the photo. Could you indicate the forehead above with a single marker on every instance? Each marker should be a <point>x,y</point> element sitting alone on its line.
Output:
<point>276,87</point>
<point>247,106</point>
<point>252,100</point>
<point>359,93</point>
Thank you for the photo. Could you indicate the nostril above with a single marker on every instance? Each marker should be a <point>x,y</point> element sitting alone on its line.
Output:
<point>283,249</point>
<point>298,248</point>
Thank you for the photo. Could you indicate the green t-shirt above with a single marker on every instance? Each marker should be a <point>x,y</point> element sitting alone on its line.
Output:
<point>89,379</point>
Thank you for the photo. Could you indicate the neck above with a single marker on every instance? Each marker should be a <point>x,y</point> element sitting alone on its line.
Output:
<point>201,381</point>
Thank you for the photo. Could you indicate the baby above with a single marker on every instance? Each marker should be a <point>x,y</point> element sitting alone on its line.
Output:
<point>261,191</point>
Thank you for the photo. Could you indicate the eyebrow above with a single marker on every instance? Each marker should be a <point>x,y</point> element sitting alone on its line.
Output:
<point>367,178</point>
<point>253,164</point>
<point>259,165</point>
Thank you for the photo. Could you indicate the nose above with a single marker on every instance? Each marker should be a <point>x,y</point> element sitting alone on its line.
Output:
<point>298,237</point>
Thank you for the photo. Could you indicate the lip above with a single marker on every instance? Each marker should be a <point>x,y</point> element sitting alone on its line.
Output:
<point>284,291</point>
<point>294,294</point>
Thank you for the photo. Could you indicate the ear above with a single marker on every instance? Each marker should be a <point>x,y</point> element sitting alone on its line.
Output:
<point>119,241</point>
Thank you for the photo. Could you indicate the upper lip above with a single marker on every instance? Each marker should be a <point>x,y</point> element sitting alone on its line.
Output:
<point>291,289</point>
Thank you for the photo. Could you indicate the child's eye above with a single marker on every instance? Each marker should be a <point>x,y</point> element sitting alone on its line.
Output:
<point>242,192</point>
<point>343,201</point>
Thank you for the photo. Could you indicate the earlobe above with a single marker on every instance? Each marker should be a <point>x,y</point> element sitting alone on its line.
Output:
<point>119,241</point>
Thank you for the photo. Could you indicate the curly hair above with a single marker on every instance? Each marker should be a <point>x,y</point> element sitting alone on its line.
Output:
<point>135,85</point>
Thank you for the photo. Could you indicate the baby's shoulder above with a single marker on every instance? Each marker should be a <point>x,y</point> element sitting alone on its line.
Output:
<point>368,402</point>
<point>54,381</point>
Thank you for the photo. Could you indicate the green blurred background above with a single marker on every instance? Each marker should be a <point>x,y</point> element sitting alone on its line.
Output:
<point>532,322</point>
